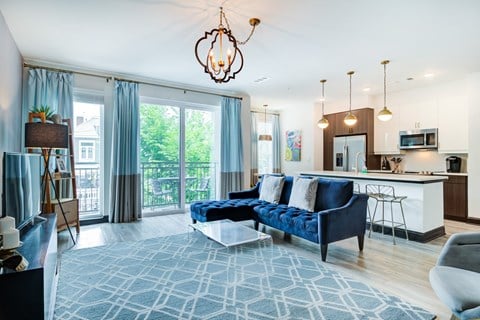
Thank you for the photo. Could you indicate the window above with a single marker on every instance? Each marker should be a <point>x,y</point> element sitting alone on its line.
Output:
<point>265,149</point>
<point>87,151</point>
<point>177,154</point>
<point>88,141</point>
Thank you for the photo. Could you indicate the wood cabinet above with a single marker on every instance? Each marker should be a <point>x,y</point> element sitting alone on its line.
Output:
<point>364,125</point>
<point>455,198</point>
<point>70,208</point>
<point>30,294</point>
<point>328,135</point>
<point>361,127</point>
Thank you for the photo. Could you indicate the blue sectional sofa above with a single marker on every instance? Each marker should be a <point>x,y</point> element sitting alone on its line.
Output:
<point>339,213</point>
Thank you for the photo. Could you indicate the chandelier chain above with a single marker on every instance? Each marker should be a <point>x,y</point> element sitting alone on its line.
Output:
<point>323,98</point>
<point>385,85</point>
<point>240,43</point>
<point>350,93</point>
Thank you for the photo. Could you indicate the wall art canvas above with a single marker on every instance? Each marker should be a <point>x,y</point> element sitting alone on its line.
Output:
<point>294,145</point>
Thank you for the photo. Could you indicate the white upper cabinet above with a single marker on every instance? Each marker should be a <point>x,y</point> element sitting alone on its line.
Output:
<point>386,133</point>
<point>443,106</point>
<point>418,115</point>
<point>453,124</point>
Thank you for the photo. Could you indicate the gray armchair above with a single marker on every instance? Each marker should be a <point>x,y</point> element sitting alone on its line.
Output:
<point>456,277</point>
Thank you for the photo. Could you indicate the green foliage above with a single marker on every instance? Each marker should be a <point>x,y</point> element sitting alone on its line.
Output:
<point>160,134</point>
<point>45,109</point>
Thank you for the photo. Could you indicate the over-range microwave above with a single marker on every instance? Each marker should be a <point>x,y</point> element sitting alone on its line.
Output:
<point>419,139</point>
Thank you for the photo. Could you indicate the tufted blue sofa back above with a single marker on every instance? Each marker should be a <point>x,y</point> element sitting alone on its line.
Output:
<point>331,193</point>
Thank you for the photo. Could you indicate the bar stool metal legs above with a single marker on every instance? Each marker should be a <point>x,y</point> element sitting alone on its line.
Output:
<point>383,194</point>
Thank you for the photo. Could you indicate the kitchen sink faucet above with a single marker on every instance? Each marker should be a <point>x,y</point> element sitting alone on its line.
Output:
<point>356,162</point>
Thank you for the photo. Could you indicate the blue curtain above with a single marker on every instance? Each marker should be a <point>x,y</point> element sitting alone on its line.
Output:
<point>276,142</point>
<point>254,148</point>
<point>50,88</point>
<point>126,192</point>
<point>231,158</point>
<point>55,90</point>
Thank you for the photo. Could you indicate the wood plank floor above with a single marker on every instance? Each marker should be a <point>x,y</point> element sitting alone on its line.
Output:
<point>401,269</point>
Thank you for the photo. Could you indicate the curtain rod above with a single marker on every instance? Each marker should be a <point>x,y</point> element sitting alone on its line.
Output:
<point>107,77</point>
<point>263,112</point>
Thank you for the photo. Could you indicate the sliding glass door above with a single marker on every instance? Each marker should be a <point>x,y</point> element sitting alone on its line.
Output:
<point>88,147</point>
<point>177,155</point>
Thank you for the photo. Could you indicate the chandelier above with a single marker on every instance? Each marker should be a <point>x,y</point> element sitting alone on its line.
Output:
<point>323,122</point>
<point>350,119</point>
<point>385,114</point>
<point>217,51</point>
<point>265,136</point>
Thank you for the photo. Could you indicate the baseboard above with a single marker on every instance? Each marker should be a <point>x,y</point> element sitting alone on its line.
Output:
<point>473,220</point>
<point>462,219</point>
<point>87,222</point>
<point>412,235</point>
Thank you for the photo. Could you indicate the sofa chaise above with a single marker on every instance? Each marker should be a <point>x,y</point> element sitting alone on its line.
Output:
<point>338,213</point>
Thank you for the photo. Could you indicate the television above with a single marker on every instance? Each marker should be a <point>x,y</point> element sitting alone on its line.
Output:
<point>21,180</point>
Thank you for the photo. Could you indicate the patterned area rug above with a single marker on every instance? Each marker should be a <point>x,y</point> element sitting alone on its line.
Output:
<point>188,276</point>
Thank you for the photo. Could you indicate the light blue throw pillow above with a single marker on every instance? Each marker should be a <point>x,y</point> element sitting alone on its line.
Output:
<point>271,188</point>
<point>304,193</point>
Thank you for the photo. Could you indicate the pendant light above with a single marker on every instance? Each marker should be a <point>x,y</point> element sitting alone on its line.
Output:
<point>384,114</point>
<point>265,136</point>
<point>350,119</point>
<point>323,123</point>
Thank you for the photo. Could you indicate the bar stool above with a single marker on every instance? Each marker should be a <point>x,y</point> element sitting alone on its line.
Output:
<point>383,194</point>
<point>356,189</point>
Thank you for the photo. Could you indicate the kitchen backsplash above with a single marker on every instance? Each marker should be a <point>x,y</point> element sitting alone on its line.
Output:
<point>427,161</point>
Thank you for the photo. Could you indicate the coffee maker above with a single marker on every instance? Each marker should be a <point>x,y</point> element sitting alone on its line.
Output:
<point>453,164</point>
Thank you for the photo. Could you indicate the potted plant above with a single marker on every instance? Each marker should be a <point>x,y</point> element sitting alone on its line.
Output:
<point>49,115</point>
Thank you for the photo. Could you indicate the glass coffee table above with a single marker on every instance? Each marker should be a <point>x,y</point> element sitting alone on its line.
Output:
<point>229,233</point>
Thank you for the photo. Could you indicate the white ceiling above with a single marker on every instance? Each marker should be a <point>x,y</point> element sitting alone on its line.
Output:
<point>297,43</point>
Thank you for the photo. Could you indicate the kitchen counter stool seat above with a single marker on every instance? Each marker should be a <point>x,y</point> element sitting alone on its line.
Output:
<point>386,194</point>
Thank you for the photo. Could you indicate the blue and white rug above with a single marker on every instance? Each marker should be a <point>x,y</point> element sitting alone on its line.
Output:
<point>188,276</point>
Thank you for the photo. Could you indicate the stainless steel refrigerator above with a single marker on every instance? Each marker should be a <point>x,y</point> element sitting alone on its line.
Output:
<point>345,150</point>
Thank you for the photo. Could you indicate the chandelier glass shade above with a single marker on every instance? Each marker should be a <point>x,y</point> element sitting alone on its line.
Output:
<point>323,122</point>
<point>350,119</point>
<point>385,114</point>
<point>265,136</point>
<point>218,53</point>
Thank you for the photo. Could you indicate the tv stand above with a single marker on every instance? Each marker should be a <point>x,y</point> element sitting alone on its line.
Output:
<point>30,294</point>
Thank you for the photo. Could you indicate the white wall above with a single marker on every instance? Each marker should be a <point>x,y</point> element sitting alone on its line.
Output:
<point>10,93</point>
<point>473,90</point>
<point>298,117</point>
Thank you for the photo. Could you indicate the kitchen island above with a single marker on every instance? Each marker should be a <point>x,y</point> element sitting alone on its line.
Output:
<point>423,207</point>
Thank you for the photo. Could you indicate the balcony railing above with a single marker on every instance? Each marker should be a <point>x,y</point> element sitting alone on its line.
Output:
<point>160,185</point>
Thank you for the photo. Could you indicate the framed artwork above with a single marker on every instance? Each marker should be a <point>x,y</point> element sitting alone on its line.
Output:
<point>294,145</point>
<point>61,165</point>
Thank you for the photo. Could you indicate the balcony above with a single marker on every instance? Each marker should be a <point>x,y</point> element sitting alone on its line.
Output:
<point>160,186</point>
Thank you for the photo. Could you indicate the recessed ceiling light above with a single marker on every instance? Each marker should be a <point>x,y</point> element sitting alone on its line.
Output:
<point>366,89</point>
<point>429,75</point>
<point>261,79</point>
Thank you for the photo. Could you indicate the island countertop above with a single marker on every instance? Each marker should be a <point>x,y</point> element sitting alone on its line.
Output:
<point>407,178</point>
<point>423,205</point>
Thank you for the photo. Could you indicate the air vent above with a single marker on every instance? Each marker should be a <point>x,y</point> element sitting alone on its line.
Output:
<point>262,79</point>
